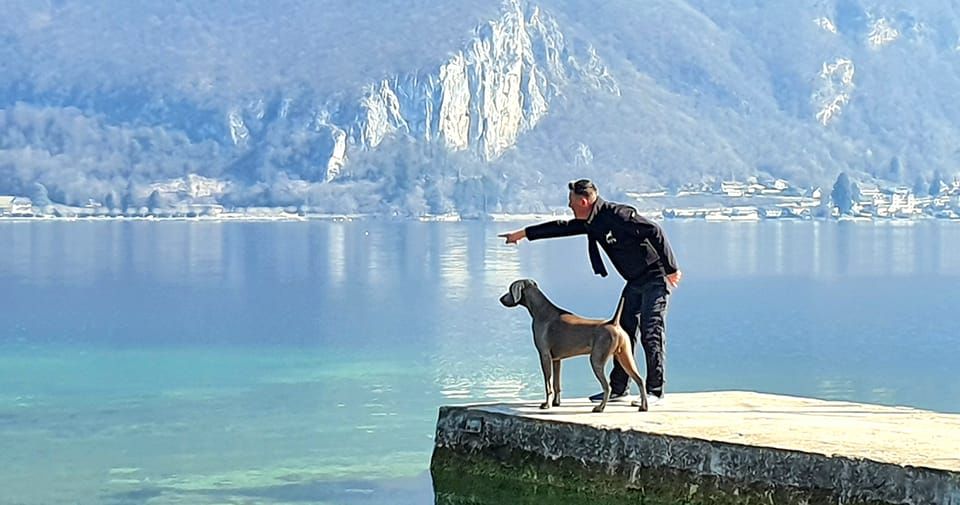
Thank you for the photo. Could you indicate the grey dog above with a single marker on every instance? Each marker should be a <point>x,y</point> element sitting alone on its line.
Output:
<point>558,334</point>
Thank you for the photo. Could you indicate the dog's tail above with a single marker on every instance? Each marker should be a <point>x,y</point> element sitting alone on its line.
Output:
<point>616,317</point>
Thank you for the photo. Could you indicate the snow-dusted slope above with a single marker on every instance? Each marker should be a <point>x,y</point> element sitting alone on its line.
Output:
<point>480,99</point>
<point>413,106</point>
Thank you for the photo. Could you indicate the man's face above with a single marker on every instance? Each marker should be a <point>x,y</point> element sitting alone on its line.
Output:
<point>579,205</point>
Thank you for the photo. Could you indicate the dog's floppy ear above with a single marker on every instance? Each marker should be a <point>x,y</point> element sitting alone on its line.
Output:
<point>516,291</point>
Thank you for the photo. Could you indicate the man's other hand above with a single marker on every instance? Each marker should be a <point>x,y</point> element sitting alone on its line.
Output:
<point>514,236</point>
<point>674,279</point>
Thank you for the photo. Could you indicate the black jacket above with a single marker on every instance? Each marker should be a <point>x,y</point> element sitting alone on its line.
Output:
<point>635,245</point>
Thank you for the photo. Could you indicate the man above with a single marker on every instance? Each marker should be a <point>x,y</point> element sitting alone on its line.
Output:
<point>641,254</point>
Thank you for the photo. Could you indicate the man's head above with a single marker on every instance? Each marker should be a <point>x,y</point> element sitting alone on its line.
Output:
<point>583,194</point>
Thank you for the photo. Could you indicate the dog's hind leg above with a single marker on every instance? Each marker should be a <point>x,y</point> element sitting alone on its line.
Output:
<point>624,356</point>
<point>556,383</point>
<point>546,365</point>
<point>597,361</point>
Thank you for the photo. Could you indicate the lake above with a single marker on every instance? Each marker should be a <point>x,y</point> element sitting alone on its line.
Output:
<point>304,362</point>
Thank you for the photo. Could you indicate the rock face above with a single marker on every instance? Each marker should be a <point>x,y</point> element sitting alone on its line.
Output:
<point>499,84</point>
<point>481,100</point>
<point>648,460</point>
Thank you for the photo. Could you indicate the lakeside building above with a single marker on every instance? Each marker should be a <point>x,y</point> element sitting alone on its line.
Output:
<point>751,200</point>
<point>16,206</point>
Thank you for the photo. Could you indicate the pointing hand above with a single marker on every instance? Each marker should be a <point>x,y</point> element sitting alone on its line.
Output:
<point>513,237</point>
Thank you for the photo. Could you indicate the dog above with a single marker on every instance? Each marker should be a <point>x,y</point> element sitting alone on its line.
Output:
<point>559,334</point>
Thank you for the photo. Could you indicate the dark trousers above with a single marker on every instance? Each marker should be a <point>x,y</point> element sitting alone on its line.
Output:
<point>644,318</point>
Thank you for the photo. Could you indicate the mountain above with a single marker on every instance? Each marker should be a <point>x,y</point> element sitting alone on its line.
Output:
<point>411,107</point>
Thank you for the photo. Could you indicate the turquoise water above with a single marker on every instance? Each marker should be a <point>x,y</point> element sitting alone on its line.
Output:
<point>303,362</point>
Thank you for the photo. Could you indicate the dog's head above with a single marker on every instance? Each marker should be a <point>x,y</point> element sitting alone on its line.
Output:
<point>514,296</point>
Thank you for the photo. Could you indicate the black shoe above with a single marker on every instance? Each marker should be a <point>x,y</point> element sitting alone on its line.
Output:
<point>614,397</point>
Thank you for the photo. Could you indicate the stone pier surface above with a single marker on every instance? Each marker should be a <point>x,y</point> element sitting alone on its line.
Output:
<point>703,448</point>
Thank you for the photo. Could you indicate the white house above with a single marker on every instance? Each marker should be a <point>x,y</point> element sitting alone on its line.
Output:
<point>733,188</point>
<point>22,206</point>
<point>15,206</point>
<point>6,205</point>
<point>903,202</point>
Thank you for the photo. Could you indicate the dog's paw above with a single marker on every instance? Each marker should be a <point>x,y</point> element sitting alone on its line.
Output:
<point>598,408</point>
<point>544,406</point>
<point>643,408</point>
<point>556,403</point>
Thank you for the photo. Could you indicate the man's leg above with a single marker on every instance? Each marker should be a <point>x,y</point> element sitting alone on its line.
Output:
<point>629,323</point>
<point>653,334</point>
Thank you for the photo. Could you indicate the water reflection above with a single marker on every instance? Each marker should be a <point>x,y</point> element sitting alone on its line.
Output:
<point>814,248</point>
<point>476,358</point>
<point>456,486</point>
<point>336,252</point>
<point>458,255</point>
<point>452,252</point>
<point>501,265</point>
<point>824,250</point>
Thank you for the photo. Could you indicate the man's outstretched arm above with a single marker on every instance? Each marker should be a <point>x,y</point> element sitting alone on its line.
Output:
<point>550,229</point>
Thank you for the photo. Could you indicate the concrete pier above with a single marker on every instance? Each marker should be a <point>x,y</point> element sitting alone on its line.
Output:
<point>700,448</point>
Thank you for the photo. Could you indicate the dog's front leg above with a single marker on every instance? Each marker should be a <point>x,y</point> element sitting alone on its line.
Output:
<point>546,364</point>
<point>556,383</point>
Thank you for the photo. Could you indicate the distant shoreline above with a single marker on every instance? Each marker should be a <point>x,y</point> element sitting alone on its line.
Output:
<point>443,218</point>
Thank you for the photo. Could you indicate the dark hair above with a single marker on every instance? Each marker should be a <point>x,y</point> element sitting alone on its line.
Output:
<point>583,187</point>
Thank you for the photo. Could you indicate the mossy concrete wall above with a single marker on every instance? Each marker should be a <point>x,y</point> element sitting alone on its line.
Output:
<point>591,456</point>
